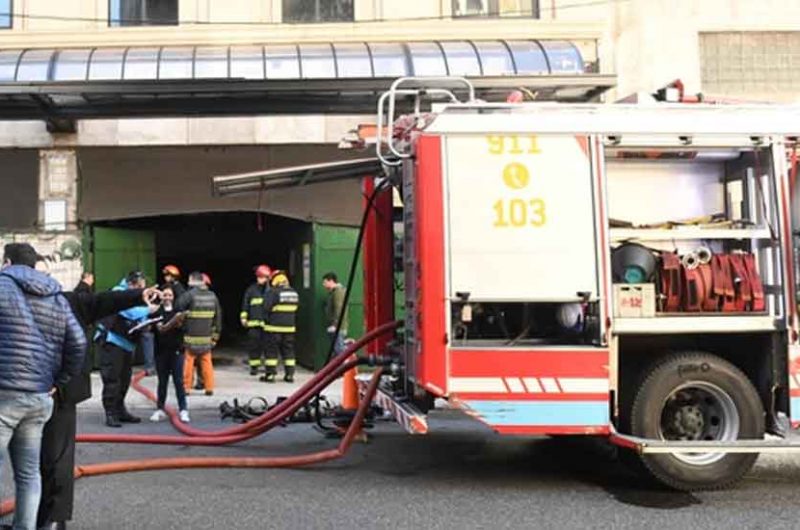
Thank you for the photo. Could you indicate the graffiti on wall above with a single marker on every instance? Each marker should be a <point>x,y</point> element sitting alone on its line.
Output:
<point>62,254</point>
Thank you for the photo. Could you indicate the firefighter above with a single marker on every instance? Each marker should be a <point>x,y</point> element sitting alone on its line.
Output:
<point>202,330</point>
<point>252,317</point>
<point>280,308</point>
<point>172,279</point>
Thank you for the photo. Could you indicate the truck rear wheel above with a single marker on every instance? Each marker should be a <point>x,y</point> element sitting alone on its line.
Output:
<point>694,396</point>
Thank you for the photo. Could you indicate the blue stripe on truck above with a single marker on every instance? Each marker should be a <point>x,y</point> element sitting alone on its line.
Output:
<point>542,412</point>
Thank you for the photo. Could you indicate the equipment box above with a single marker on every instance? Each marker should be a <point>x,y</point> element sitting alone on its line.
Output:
<point>634,300</point>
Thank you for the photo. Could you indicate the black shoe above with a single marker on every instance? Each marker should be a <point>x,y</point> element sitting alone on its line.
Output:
<point>198,386</point>
<point>113,421</point>
<point>209,392</point>
<point>51,526</point>
<point>288,378</point>
<point>127,417</point>
<point>253,370</point>
<point>269,378</point>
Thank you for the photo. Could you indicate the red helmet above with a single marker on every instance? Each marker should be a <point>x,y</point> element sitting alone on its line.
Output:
<point>172,270</point>
<point>206,279</point>
<point>263,271</point>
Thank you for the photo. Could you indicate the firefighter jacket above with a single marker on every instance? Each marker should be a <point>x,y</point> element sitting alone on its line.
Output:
<point>203,320</point>
<point>253,311</point>
<point>281,309</point>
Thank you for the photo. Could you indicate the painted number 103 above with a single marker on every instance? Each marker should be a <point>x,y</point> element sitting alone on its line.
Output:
<point>519,212</point>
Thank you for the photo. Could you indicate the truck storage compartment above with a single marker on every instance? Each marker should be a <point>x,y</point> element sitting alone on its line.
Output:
<point>698,226</point>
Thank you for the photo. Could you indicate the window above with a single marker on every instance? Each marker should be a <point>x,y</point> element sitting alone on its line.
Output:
<point>495,8</point>
<point>751,64</point>
<point>5,14</point>
<point>142,12</point>
<point>317,10</point>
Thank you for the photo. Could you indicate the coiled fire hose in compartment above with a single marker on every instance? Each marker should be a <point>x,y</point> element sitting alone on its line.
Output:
<point>255,427</point>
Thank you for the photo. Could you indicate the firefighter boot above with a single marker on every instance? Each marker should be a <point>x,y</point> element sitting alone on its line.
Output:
<point>269,376</point>
<point>288,370</point>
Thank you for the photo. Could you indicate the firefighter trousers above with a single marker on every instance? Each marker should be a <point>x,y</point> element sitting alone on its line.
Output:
<point>257,345</point>
<point>206,368</point>
<point>115,370</point>
<point>280,345</point>
<point>58,465</point>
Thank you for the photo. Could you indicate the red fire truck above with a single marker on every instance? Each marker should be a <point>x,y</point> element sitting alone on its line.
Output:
<point>623,271</point>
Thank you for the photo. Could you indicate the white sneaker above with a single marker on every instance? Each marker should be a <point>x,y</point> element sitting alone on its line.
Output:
<point>184,416</point>
<point>158,416</point>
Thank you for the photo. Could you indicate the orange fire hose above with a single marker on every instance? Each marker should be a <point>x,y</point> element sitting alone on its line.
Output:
<point>256,426</point>
<point>280,410</point>
<point>156,464</point>
<point>248,430</point>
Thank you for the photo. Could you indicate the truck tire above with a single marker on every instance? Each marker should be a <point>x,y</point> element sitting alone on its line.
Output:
<point>697,396</point>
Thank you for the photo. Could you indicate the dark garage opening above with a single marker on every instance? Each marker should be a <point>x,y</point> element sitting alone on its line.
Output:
<point>227,247</point>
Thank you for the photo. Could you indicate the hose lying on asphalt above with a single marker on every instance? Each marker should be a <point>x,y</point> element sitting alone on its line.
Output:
<point>255,427</point>
<point>156,464</point>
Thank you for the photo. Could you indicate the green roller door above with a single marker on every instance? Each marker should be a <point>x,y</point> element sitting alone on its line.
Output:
<point>330,249</point>
<point>115,252</point>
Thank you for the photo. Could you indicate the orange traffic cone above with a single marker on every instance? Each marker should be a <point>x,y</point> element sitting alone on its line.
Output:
<point>350,389</point>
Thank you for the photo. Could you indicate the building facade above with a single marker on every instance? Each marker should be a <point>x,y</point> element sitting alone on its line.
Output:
<point>115,113</point>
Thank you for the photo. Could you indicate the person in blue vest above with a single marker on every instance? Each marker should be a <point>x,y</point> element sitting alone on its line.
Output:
<point>116,342</point>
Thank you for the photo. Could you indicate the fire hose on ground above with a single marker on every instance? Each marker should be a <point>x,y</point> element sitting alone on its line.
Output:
<point>253,428</point>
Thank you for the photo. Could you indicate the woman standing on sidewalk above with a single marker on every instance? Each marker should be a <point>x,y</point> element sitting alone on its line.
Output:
<point>169,355</point>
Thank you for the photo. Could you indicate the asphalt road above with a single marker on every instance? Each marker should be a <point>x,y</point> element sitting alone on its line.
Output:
<point>459,476</point>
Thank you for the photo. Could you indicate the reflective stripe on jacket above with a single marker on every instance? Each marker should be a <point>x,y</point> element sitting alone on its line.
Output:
<point>253,312</point>
<point>203,321</point>
<point>281,308</point>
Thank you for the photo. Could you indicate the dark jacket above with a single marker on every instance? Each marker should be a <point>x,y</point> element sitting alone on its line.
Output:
<point>204,320</point>
<point>169,336</point>
<point>281,308</point>
<point>89,308</point>
<point>41,342</point>
<point>83,287</point>
<point>253,305</point>
<point>177,288</point>
<point>115,329</point>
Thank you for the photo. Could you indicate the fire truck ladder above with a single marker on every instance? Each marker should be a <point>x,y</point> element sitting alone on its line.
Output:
<point>419,88</point>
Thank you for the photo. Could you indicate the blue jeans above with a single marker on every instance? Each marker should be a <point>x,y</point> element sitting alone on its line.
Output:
<point>22,419</point>
<point>338,346</point>
<point>148,350</point>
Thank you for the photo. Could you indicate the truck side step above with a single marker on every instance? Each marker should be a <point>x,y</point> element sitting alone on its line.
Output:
<point>406,414</point>
<point>650,446</point>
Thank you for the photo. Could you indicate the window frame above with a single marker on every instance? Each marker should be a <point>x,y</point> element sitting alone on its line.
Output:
<point>10,16</point>
<point>119,24</point>
<point>493,10</point>
<point>284,20</point>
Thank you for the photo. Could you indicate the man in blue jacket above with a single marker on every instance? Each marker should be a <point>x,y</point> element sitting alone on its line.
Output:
<point>117,346</point>
<point>42,346</point>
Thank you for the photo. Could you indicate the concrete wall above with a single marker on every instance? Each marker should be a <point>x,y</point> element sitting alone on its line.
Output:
<point>120,183</point>
<point>63,257</point>
<point>649,43</point>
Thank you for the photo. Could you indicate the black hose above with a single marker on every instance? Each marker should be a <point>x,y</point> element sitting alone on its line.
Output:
<point>353,266</point>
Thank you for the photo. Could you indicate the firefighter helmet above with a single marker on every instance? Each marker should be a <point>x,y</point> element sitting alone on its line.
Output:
<point>172,270</point>
<point>263,271</point>
<point>206,279</point>
<point>279,278</point>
